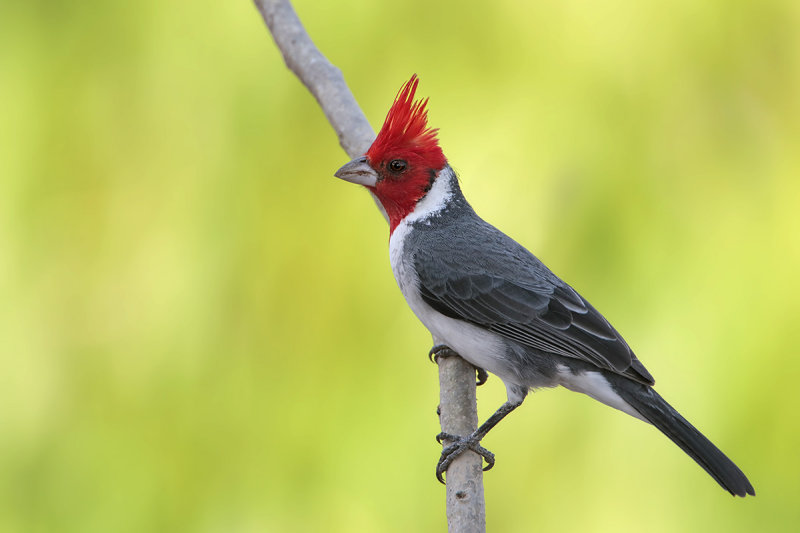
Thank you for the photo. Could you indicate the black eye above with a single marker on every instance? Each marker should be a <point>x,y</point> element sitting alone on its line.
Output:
<point>397,165</point>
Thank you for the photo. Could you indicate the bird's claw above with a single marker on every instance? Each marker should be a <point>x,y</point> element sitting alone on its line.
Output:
<point>459,445</point>
<point>442,350</point>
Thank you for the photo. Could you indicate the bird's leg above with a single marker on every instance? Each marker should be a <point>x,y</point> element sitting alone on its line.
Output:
<point>472,442</point>
<point>442,350</point>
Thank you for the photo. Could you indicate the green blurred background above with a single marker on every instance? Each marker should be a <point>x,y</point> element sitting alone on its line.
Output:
<point>199,329</point>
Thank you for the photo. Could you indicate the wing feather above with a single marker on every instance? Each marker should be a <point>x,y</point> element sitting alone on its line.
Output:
<point>524,302</point>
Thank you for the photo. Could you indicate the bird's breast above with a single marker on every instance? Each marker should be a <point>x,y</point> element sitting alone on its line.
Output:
<point>477,345</point>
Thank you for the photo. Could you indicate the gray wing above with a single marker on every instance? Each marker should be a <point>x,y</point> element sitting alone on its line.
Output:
<point>504,288</point>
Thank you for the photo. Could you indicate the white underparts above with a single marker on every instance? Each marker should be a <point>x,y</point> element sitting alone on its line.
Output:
<point>595,385</point>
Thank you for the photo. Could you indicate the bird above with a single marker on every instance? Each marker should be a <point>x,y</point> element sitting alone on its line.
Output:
<point>486,298</point>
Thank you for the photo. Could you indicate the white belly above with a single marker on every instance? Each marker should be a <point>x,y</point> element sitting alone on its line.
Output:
<point>480,347</point>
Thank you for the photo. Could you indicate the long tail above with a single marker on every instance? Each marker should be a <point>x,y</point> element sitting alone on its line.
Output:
<point>663,416</point>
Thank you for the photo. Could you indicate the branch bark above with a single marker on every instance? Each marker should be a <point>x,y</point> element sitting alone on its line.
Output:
<point>465,500</point>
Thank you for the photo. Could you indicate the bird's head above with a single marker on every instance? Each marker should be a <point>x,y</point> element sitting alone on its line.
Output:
<point>403,161</point>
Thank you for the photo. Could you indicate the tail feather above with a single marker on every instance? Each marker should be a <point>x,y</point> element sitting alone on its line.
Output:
<point>663,416</point>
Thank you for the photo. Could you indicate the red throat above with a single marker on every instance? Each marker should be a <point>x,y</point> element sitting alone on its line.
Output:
<point>405,136</point>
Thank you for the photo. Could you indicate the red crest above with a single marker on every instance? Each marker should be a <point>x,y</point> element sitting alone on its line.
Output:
<point>406,130</point>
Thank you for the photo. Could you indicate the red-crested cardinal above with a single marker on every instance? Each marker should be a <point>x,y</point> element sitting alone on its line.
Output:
<point>488,299</point>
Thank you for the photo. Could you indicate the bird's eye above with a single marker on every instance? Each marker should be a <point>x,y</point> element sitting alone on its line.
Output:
<point>397,165</point>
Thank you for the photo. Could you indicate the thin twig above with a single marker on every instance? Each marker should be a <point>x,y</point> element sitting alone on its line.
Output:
<point>465,502</point>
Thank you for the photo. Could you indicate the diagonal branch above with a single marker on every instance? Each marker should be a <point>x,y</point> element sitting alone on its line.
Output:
<point>320,76</point>
<point>465,501</point>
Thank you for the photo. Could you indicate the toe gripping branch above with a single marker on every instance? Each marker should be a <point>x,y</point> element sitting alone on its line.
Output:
<point>458,446</point>
<point>471,442</point>
<point>442,350</point>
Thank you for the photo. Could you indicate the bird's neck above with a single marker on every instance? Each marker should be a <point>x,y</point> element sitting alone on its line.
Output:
<point>443,194</point>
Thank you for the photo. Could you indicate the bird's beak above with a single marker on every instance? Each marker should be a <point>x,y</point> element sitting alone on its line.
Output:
<point>358,171</point>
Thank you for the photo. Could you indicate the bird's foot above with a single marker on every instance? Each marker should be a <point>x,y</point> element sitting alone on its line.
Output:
<point>442,350</point>
<point>458,446</point>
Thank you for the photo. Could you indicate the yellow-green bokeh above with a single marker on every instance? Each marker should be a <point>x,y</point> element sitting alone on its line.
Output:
<point>199,329</point>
